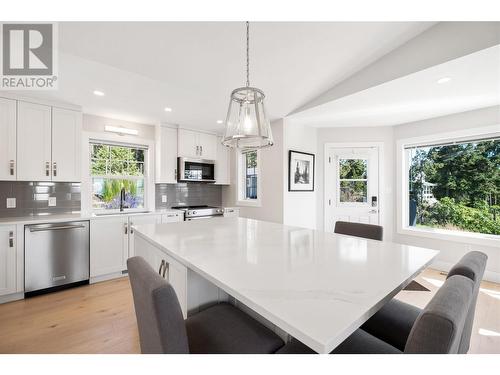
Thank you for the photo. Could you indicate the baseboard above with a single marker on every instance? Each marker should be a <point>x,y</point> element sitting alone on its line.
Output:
<point>494,277</point>
<point>109,276</point>
<point>11,297</point>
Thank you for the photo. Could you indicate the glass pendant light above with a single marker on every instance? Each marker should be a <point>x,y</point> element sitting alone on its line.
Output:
<point>247,125</point>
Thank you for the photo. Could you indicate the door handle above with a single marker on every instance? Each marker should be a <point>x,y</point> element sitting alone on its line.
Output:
<point>11,239</point>
<point>44,229</point>
<point>54,169</point>
<point>11,167</point>
<point>47,169</point>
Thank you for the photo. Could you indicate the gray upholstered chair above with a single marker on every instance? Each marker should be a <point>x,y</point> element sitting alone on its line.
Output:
<point>370,231</point>
<point>438,328</point>
<point>394,321</point>
<point>217,330</point>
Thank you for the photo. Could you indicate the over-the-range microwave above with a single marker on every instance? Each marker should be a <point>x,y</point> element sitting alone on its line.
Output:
<point>195,170</point>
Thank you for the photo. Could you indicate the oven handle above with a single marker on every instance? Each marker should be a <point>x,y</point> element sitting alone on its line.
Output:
<point>35,229</point>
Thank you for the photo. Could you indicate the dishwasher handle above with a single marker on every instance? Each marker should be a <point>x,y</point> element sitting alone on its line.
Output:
<point>61,227</point>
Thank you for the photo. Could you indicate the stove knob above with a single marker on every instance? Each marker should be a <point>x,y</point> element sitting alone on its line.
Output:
<point>194,212</point>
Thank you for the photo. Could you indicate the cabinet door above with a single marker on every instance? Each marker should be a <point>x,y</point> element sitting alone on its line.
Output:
<point>108,245</point>
<point>7,259</point>
<point>208,146</point>
<point>66,145</point>
<point>34,142</point>
<point>139,220</point>
<point>222,167</point>
<point>166,151</point>
<point>172,217</point>
<point>188,146</point>
<point>7,139</point>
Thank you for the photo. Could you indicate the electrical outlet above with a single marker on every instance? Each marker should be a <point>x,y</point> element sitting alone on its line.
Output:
<point>52,201</point>
<point>11,202</point>
<point>163,199</point>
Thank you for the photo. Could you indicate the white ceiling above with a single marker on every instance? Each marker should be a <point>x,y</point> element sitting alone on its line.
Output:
<point>475,83</point>
<point>192,67</point>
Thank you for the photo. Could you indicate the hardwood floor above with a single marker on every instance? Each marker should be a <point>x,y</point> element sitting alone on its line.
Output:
<point>100,318</point>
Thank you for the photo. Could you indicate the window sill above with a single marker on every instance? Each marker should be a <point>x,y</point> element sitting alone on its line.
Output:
<point>249,203</point>
<point>447,235</point>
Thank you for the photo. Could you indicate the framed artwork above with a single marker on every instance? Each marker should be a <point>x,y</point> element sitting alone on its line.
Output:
<point>300,171</point>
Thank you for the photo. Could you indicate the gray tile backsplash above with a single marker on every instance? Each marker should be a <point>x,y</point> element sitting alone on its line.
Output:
<point>32,198</point>
<point>188,194</point>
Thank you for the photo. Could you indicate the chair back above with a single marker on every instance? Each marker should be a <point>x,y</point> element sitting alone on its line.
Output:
<point>159,315</point>
<point>472,265</point>
<point>370,231</point>
<point>439,327</point>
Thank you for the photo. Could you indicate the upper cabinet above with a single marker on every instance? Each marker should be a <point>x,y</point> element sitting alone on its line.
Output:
<point>66,144</point>
<point>166,155</point>
<point>41,143</point>
<point>8,160</point>
<point>222,168</point>
<point>192,144</point>
<point>34,140</point>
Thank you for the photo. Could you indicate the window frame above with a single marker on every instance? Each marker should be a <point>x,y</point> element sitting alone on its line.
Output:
<point>241,199</point>
<point>402,177</point>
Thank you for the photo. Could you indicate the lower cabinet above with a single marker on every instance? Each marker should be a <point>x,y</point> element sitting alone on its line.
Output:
<point>108,245</point>
<point>139,220</point>
<point>8,265</point>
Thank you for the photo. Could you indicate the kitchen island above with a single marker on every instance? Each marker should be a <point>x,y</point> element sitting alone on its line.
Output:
<point>315,286</point>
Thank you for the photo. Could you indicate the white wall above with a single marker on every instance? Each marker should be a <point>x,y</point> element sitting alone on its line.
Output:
<point>450,251</point>
<point>271,172</point>
<point>299,207</point>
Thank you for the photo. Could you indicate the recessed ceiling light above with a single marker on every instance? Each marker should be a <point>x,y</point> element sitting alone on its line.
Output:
<point>98,93</point>
<point>167,109</point>
<point>443,80</point>
<point>219,121</point>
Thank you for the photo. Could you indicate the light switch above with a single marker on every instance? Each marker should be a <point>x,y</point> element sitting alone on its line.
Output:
<point>52,201</point>
<point>163,199</point>
<point>11,202</point>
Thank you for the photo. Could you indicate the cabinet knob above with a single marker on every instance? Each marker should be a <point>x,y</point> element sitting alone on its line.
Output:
<point>11,167</point>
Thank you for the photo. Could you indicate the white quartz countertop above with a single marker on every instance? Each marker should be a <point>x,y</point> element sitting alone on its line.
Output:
<point>74,217</point>
<point>319,287</point>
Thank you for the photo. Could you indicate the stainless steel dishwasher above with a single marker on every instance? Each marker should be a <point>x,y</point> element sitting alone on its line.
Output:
<point>56,256</point>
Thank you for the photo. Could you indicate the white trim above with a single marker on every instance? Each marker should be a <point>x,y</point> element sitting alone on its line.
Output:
<point>402,225</point>
<point>239,182</point>
<point>149,163</point>
<point>381,174</point>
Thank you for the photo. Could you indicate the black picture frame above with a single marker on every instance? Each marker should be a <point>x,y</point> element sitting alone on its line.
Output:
<point>307,157</point>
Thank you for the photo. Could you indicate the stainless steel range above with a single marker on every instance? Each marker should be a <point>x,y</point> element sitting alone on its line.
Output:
<point>200,212</point>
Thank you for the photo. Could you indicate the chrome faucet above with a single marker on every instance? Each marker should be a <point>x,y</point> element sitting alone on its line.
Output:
<point>122,198</point>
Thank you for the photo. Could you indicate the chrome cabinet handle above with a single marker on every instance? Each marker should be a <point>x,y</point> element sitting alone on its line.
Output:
<point>197,150</point>
<point>201,150</point>
<point>175,174</point>
<point>131,229</point>
<point>54,169</point>
<point>161,267</point>
<point>47,169</point>
<point>126,228</point>
<point>11,167</point>
<point>166,268</point>
<point>11,239</point>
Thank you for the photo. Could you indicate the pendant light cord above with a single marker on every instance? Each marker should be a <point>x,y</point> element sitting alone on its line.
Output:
<point>248,54</point>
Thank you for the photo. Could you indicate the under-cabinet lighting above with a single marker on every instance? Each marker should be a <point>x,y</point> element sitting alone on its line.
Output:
<point>116,129</point>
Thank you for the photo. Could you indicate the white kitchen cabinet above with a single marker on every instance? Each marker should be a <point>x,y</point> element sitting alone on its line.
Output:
<point>66,145</point>
<point>8,258</point>
<point>8,139</point>
<point>34,143</point>
<point>108,245</point>
<point>231,212</point>
<point>166,155</point>
<point>222,167</point>
<point>172,217</point>
<point>139,220</point>
<point>192,144</point>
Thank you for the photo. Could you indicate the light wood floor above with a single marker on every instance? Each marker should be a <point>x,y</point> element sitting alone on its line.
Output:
<point>100,318</point>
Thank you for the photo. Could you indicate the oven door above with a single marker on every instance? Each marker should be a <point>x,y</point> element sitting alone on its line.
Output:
<point>196,170</point>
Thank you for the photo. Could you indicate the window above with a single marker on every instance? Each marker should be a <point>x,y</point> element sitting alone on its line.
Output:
<point>353,180</point>
<point>113,168</point>
<point>249,184</point>
<point>454,186</point>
